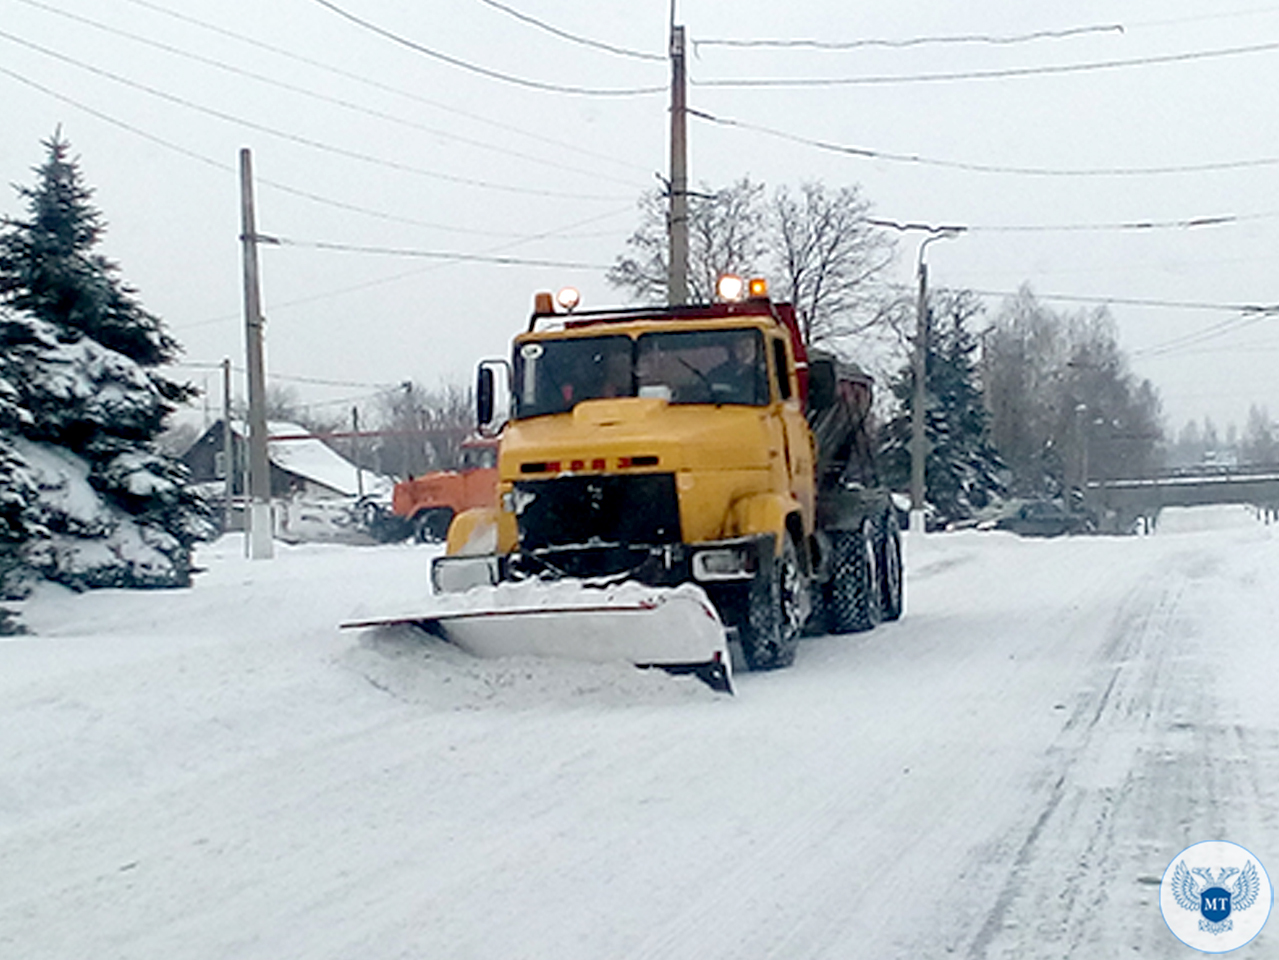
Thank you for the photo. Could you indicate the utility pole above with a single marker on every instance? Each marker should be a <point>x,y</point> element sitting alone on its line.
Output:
<point>228,450</point>
<point>359,471</point>
<point>677,227</point>
<point>918,413</point>
<point>261,546</point>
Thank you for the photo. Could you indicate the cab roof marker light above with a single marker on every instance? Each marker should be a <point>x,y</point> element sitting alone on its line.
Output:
<point>568,298</point>
<point>758,288</point>
<point>730,288</point>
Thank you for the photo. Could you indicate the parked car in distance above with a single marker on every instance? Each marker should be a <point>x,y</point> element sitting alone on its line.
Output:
<point>1041,518</point>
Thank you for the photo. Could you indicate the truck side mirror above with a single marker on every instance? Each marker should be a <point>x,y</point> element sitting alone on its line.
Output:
<point>483,396</point>
<point>492,394</point>
<point>821,382</point>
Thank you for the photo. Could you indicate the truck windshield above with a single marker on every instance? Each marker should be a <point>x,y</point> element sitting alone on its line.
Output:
<point>692,366</point>
<point>703,366</point>
<point>551,376</point>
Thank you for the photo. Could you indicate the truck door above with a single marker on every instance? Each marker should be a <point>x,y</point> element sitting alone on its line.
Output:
<point>796,436</point>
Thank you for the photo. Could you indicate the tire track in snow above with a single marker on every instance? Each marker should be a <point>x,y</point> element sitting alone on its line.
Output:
<point>1061,877</point>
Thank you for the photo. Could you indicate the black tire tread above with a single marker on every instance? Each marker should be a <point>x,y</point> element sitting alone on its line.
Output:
<point>853,600</point>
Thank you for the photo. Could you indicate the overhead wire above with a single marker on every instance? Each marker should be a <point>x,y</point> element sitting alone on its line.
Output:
<point>915,158</point>
<point>1129,225</point>
<point>485,71</point>
<point>1190,340</point>
<point>297,138</point>
<point>515,239</point>
<point>287,188</point>
<point>439,255</point>
<point>573,37</point>
<point>972,38</point>
<point>996,74</point>
<point>384,87</point>
<point>1248,308</point>
<point>322,97</point>
<point>403,275</point>
<point>315,381</point>
<point>123,125</point>
<point>1216,331</point>
<point>1248,314</point>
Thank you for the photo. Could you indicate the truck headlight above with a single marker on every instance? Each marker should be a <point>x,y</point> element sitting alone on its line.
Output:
<point>724,563</point>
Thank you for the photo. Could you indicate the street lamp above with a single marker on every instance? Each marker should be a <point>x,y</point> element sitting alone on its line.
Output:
<point>917,438</point>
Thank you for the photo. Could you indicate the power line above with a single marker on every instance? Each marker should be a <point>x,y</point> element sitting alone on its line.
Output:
<point>871,154</point>
<point>575,38</point>
<point>387,88</point>
<point>1001,74</point>
<point>355,288</point>
<point>106,118</point>
<point>1248,308</point>
<point>314,381</point>
<point>440,255</point>
<point>1249,314</point>
<point>484,71</point>
<point>284,187</point>
<point>1224,328</point>
<point>1131,225</point>
<point>971,38</point>
<point>325,98</point>
<point>298,139</point>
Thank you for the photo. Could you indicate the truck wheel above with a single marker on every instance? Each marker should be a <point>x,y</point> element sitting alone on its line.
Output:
<point>769,632</point>
<point>432,526</point>
<point>890,568</point>
<point>854,602</point>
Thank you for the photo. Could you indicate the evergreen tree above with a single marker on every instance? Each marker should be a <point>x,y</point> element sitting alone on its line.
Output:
<point>87,497</point>
<point>962,470</point>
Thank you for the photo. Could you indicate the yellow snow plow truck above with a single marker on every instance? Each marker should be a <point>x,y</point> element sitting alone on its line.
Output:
<point>671,480</point>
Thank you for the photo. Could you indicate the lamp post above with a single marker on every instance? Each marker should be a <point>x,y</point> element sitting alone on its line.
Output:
<point>918,440</point>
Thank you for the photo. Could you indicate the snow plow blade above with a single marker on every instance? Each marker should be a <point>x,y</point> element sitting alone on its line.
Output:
<point>675,628</point>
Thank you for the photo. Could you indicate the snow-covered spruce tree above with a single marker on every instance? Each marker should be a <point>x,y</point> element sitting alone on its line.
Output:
<point>87,497</point>
<point>962,471</point>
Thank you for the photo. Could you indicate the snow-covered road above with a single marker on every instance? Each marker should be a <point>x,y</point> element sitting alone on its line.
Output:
<point>1006,772</point>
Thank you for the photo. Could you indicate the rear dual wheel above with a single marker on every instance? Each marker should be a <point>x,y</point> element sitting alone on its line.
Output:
<point>856,585</point>
<point>889,548</point>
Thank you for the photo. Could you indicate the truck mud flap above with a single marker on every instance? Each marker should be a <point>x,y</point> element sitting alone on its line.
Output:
<point>674,628</point>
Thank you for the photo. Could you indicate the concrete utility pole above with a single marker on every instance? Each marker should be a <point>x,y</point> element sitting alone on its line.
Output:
<point>677,269</point>
<point>918,440</point>
<point>261,546</point>
<point>359,472</point>
<point>228,450</point>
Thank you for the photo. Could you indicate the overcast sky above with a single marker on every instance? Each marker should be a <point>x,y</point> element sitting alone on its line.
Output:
<point>479,128</point>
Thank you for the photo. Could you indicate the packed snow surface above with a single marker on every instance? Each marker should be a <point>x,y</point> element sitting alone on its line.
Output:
<point>1005,772</point>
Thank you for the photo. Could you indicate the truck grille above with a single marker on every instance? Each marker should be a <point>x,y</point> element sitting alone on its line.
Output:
<point>634,510</point>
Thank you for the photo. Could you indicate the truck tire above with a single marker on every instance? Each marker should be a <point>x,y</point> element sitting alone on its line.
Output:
<point>432,526</point>
<point>890,568</point>
<point>775,608</point>
<point>853,604</point>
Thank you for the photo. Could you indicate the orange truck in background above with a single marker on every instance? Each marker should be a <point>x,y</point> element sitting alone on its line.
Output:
<point>428,503</point>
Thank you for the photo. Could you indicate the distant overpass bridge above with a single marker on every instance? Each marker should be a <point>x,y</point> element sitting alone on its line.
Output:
<point>1124,505</point>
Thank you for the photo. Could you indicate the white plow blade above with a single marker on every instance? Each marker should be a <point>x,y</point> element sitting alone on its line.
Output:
<point>676,628</point>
